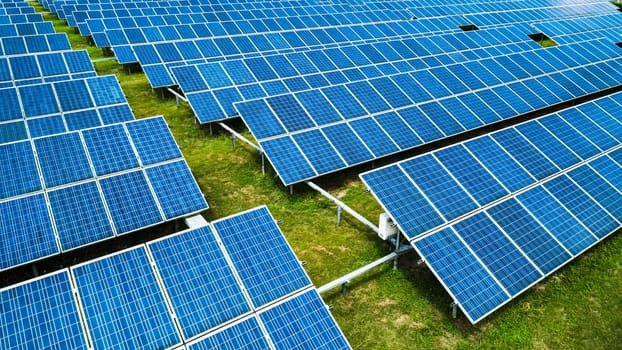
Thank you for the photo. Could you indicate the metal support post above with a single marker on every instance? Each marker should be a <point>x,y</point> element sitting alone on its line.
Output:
<point>233,141</point>
<point>397,248</point>
<point>343,206</point>
<point>454,309</point>
<point>263,163</point>
<point>291,189</point>
<point>211,132</point>
<point>344,288</point>
<point>339,215</point>
<point>240,137</point>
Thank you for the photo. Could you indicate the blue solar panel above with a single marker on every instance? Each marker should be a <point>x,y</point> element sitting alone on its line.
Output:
<point>581,206</point>
<point>175,189</point>
<point>199,282</point>
<point>38,100</point>
<point>130,200</point>
<point>599,189</point>
<point>106,90</point>
<point>499,163</point>
<point>347,143</point>
<point>266,264</point>
<point>15,131</point>
<point>475,179</point>
<point>110,149</point>
<point>41,314</point>
<point>153,140</point>
<point>28,234</point>
<point>290,113</point>
<point>438,185</point>
<point>116,114</point>
<point>82,120</point>
<point>537,243</point>
<point>399,196</point>
<point>73,95</point>
<point>46,126</point>
<point>80,215</point>
<point>10,109</point>
<point>467,280</point>
<point>285,157</point>
<point>123,303</point>
<point>557,219</point>
<point>319,151</point>
<point>62,159</point>
<point>19,171</point>
<point>498,253</point>
<point>303,322</point>
<point>246,335</point>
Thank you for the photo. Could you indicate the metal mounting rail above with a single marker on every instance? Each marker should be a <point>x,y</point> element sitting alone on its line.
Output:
<point>240,137</point>
<point>342,206</point>
<point>177,95</point>
<point>104,59</point>
<point>346,278</point>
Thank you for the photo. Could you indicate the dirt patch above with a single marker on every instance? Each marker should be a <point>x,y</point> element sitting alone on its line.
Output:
<point>387,302</point>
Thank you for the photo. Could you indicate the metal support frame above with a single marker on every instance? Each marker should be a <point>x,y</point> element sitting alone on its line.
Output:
<point>235,135</point>
<point>104,59</point>
<point>342,206</point>
<point>345,279</point>
<point>177,96</point>
<point>454,309</point>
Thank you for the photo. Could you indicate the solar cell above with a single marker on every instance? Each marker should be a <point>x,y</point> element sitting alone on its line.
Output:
<point>153,140</point>
<point>131,202</point>
<point>28,235</point>
<point>110,149</point>
<point>123,302</point>
<point>198,280</point>
<point>62,159</point>
<point>303,322</point>
<point>264,260</point>
<point>41,313</point>
<point>175,189</point>
<point>246,335</point>
<point>80,215</point>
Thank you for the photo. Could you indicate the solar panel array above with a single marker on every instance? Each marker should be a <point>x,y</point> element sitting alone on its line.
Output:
<point>494,215</point>
<point>89,185</point>
<point>325,87</point>
<point>314,132</point>
<point>192,288</point>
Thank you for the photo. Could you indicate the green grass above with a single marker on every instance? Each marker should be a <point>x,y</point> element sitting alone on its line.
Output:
<point>577,308</point>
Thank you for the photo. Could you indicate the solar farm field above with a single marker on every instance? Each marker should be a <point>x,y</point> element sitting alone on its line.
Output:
<point>578,307</point>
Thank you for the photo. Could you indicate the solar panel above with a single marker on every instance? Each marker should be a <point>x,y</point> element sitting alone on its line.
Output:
<point>199,282</point>
<point>303,322</point>
<point>66,105</point>
<point>279,273</point>
<point>246,335</point>
<point>123,303</point>
<point>522,227</point>
<point>41,313</point>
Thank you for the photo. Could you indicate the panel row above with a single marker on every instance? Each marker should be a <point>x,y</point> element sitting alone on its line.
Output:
<point>489,258</point>
<point>62,192</point>
<point>52,108</point>
<point>391,55</point>
<point>315,132</point>
<point>44,68</point>
<point>436,188</point>
<point>233,285</point>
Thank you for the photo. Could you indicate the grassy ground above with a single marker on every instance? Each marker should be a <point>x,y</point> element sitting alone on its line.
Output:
<point>578,308</point>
